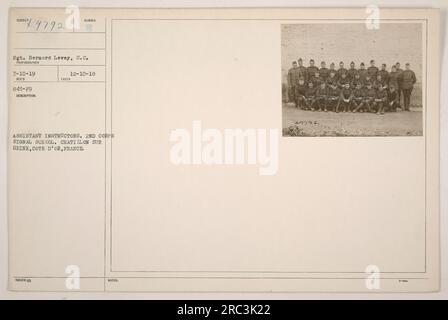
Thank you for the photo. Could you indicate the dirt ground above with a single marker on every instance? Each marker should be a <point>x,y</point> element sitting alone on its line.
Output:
<point>314,123</point>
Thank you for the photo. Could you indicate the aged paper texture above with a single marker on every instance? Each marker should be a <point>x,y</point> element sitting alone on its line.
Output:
<point>213,150</point>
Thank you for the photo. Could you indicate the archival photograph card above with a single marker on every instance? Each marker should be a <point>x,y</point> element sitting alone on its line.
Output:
<point>223,150</point>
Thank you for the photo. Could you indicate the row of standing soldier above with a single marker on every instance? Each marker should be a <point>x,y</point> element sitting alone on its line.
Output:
<point>401,80</point>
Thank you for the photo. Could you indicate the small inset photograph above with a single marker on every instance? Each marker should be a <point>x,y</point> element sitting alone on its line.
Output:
<point>345,79</point>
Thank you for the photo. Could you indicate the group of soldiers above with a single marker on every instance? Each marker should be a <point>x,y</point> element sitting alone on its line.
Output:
<point>350,90</point>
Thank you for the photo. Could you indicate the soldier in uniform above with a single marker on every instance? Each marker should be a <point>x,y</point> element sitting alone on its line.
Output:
<point>311,70</point>
<point>300,93</point>
<point>324,71</point>
<point>369,97</point>
<point>362,72</point>
<point>332,81</point>
<point>332,68</point>
<point>345,98</point>
<point>358,97</point>
<point>357,80</point>
<point>316,79</point>
<point>368,80</point>
<point>392,99</point>
<point>343,80</point>
<point>310,96</point>
<point>341,70</point>
<point>322,97</point>
<point>393,80</point>
<point>333,96</point>
<point>380,100</point>
<point>384,74</point>
<point>302,69</point>
<point>293,78</point>
<point>399,88</point>
<point>408,80</point>
<point>352,71</point>
<point>379,82</point>
<point>372,70</point>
